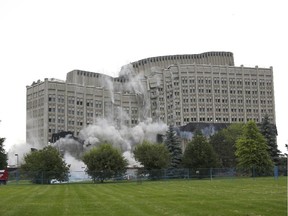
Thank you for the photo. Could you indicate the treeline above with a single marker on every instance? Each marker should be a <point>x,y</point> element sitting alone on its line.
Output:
<point>246,146</point>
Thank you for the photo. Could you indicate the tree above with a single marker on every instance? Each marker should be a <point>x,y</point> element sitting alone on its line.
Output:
<point>3,155</point>
<point>269,131</point>
<point>173,145</point>
<point>152,156</point>
<point>104,162</point>
<point>199,153</point>
<point>44,165</point>
<point>252,149</point>
<point>223,143</point>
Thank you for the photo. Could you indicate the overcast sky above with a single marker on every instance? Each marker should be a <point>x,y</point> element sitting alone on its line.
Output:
<point>47,39</point>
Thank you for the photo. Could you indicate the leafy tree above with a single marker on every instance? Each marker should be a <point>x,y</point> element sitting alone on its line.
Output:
<point>3,155</point>
<point>173,145</point>
<point>152,156</point>
<point>223,143</point>
<point>104,162</point>
<point>45,165</point>
<point>199,153</point>
<point>252,149</point>
<point>269,131</point>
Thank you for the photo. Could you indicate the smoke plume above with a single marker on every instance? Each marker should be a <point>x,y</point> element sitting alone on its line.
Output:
<point>17,153</point>
<point>123,138</point>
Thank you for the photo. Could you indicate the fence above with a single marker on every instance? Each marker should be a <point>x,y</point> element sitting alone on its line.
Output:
<point>140,174</point>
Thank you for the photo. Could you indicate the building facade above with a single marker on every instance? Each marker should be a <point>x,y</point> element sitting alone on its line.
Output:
<point>177,90</point>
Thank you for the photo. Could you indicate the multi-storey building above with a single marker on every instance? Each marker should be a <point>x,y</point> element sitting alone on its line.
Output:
<point>176,89</point>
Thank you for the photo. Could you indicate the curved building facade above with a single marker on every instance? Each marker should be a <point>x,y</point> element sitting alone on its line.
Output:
<point>214,58</point>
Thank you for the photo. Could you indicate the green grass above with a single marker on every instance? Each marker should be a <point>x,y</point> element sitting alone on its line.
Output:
<point>262,196</point>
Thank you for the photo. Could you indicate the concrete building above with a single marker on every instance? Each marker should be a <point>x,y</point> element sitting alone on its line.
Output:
<point>177,89</point>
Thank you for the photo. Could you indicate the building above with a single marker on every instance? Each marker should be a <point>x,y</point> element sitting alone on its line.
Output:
<point>176,89</point>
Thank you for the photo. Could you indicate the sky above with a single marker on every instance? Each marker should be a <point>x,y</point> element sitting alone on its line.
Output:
<point>47,39</point>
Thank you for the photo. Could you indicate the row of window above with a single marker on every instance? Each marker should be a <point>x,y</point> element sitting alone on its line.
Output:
<point>35,95</point>
<point>224,81</point>
<point>225,101</point>
<point>220,119</point>
<point>35,103</point>
<point>88,74</point>
<point>220,110</point>
<point>223,91</point>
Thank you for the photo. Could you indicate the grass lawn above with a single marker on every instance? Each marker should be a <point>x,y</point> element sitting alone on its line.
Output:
<point>262,196</point>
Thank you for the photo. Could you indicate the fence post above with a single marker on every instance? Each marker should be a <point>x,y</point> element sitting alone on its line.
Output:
<point>276,173</point>
<point>211,174</point>
<point>17,175</point>
<point>253,172</point>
